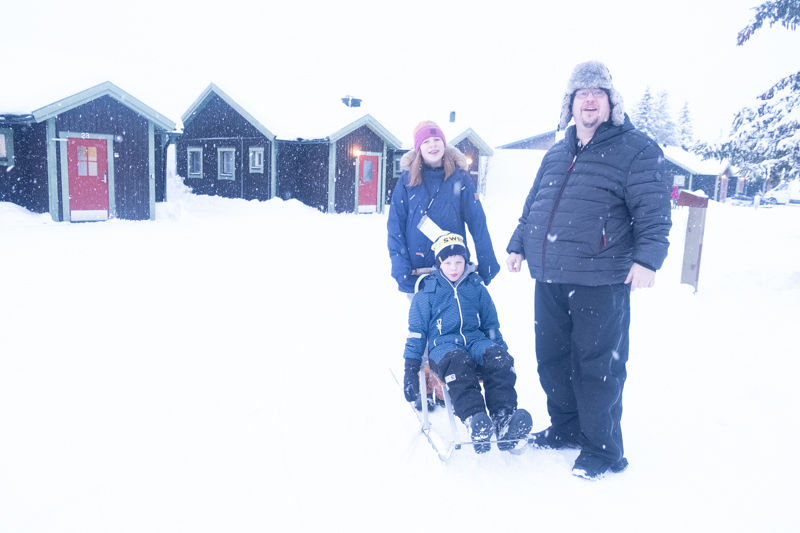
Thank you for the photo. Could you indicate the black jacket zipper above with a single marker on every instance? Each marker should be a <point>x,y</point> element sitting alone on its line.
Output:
<point>553,213</point>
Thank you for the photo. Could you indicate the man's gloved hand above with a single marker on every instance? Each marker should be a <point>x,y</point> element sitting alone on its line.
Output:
<point>411,379</point>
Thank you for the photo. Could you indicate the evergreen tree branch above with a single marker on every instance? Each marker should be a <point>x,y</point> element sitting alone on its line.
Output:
<point>787,12</point>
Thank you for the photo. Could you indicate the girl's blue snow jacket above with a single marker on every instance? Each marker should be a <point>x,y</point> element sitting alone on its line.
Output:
<point>450,316</point>
<point>455,205</point>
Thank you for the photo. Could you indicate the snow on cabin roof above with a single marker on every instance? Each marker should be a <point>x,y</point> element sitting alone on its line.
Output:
<point>693,162</point>
<point>281,119</point>
<point>468,133</point>
<point>314,117</point>
<point>56,106</point>
<point>204,98</point>
<point>311,113</point>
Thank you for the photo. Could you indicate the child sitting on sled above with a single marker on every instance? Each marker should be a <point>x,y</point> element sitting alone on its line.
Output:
<point>454,316</point>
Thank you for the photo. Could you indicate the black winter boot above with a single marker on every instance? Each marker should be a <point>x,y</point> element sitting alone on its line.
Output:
<point>480,431</point>
<point>593,467</point>
<point>550,440</point>
<point>511,426</point>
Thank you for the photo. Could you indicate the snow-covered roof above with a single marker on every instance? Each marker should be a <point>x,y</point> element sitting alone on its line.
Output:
<point>317,119</point>
<point>284,120</point>
<point>206,96</point>
<point>104,89</point>
<point>531,138</point>
<point>693,163</point>
<point>470,134</point>
<point>373,125</point>
<point>312,112</point>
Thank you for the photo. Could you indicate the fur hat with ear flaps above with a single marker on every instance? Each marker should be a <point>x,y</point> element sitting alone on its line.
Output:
<point>591,74</point>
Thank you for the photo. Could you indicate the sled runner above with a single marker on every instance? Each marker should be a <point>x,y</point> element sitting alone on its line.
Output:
<point>445,437</point>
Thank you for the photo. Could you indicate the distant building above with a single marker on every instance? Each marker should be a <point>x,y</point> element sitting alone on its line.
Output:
<point>344,172</point>
<point>96,155</point>
<point>475,148</point>
<point>717,179</point>
<point>224,151</point>
<point>543,141</point>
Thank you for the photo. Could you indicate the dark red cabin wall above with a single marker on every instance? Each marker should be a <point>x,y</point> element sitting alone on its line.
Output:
<point>391,177</point>
<point>473,153</point>
<point>218,125</point>
<point>303,173</point>
<point>26,183</point>
<point>105,115</point>
<point>365,140</point>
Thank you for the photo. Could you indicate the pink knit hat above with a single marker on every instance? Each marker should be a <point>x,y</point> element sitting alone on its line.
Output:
<point>425,131</point>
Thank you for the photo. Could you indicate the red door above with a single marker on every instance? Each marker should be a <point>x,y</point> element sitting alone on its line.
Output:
<point>87,170</point>
<point>723,188</point>
<point>367,183</point>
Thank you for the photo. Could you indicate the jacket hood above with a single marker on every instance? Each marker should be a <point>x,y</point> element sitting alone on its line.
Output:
<point>469,268</point>
<point>450,152</point>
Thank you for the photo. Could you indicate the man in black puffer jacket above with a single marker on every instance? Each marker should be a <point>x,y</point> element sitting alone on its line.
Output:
<point>594,228</point>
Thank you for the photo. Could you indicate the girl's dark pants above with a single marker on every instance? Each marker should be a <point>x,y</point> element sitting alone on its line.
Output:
<point>581,350</point>
<point>460,371</point>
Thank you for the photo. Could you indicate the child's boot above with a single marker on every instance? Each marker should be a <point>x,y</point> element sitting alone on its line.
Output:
<point>480,431</point>
<point>511,426</point>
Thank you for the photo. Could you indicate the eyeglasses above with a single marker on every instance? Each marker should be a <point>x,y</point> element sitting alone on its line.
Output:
<point>584,93</point>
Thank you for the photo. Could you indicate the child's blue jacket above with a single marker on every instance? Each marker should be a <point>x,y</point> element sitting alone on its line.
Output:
<point>450,316</point>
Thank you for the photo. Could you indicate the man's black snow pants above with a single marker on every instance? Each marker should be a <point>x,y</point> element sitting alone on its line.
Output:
<point>581,350</point>
<point>460,372</point>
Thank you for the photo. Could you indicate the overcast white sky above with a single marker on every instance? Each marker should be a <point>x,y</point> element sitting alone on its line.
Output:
<point>501,65</point>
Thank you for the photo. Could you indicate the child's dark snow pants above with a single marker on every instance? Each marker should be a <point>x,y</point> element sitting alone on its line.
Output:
<point>460,372</point>
<point>581,350</point>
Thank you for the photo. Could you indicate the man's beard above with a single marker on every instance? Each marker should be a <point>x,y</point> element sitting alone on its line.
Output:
<point>590,124</point>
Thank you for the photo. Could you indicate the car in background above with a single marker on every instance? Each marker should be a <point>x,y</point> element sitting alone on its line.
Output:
<point>741,199</point>
<point>787,192</point>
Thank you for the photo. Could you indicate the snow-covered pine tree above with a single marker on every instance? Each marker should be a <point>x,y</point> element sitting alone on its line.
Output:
<point>665,126</point>
<point>652,116</point>
<point>787,12</point>
<point>644,114</point>
<point>685,133</point>
<point>766,139</point>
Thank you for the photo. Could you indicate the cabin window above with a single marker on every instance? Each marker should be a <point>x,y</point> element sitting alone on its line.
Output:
<point>257,159</point>
<point>226,170</point>
<point>367,175</point>
<point>87,161</point>
<point>195,162</point>
<point>6,147</point>
<point>397,170</point>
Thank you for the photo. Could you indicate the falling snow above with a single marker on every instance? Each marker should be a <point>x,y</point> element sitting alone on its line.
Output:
<point>226,368</point>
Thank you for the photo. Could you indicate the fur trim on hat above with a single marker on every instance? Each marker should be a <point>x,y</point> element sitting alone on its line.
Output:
<point>450,152</point>
<point>591,74</point>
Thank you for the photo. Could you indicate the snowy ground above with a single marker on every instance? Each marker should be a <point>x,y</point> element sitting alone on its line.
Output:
<point>226,368</point>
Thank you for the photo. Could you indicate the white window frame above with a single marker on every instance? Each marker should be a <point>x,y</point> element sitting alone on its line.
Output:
<point>259,151</point>
<point>8,142</point>
<point>220,174</point>
<point>189,152</point>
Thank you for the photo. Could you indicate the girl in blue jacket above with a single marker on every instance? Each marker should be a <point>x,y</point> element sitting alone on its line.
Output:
<point>435,183</point>
<point>455,318</point>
